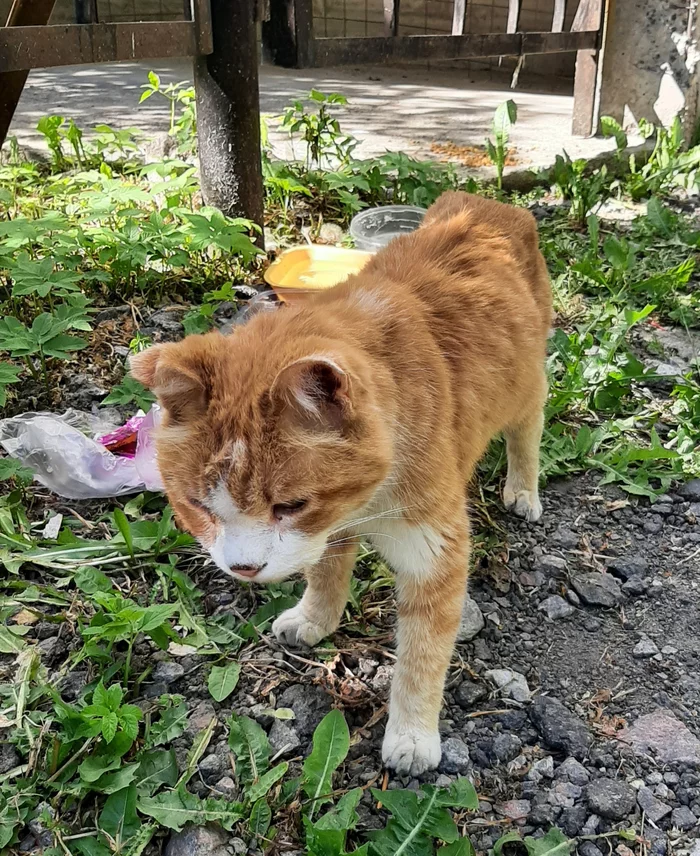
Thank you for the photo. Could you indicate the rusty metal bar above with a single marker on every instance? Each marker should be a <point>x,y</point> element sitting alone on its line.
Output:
<point>24,48</point>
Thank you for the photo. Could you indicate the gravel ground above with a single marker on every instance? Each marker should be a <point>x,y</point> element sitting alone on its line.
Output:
<point>575,702</point>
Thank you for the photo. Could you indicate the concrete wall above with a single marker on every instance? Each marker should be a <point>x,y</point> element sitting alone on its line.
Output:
<point>650,61</point>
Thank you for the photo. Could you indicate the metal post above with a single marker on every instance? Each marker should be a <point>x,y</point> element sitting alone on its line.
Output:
<point>85,11</point>
<point>288,35</point>
<point>24,13</point>
<point>228,113</point>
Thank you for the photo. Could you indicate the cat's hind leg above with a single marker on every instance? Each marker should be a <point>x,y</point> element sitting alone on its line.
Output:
<point>523,438</point>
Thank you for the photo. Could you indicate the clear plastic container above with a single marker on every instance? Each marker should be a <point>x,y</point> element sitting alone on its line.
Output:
<point>374,228</point>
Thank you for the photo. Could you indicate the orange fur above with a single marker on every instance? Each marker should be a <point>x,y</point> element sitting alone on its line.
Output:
<point>373,403</point>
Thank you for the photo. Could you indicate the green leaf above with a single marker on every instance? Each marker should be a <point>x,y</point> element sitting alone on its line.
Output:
<point>158,767</point>
<point>417,817</point>
<point>463,847</point>
<point>115,781</point>
<point>124,528</point>
<point>109,726</point>
<point>222,680</point>
<point>174,809</point>
<point>261,788</point>
<point>260,818</point>
<point>554,843</point>
<point>610,127</point>
<point>96,766</point>
<point>250,746</point>
<point>10,643</point>
<point>331,742</point>
<point>89,580</point>
<point>118,818</point>
<point>172,723</point>
<point>343,815</point>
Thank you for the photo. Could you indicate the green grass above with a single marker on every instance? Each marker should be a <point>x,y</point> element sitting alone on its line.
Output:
<point>97,227</point>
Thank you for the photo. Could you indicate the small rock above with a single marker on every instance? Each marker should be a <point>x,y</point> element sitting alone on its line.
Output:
<point>367,667</point>
<point>591,826</point>
<point>644,649</point>
<point>472,621</point>
<point>381,681</point>
<point>9,757</point>
<point>211,767</point>
<point>690,490</point>
<point>455,756</point>
<point>626,568</point>
<point>552,566</point>
<point>635,586</point>
<point>610,798</point>
<point>468,693</point>
<point>168,672</point>
<point>511,684</point>
<point>283,738</point>
<point>683,818</point>
<point>506,747</point>
<point>663,735</point>
<point>669,650</point>
<point>309,703</point>
<point>651,806</point>
<point>83,392</point>
<point>556,607</point>
<point>544,767</point>
<point>560,728</point>
<point>238,845</point>
<point>566,537</point>
<point>572,820</point>
<point>514,809</point>
<point>573,771</point>
<point>27,844</point>
<point>200,718</point>
<point>532,579</point>
<point>207,840</point>
<point>226,787</point>
<point>443,781</point>
<point>588,848</point>
<point>597,589</point>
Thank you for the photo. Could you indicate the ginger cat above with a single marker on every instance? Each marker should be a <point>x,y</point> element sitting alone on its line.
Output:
<point>362,413</point>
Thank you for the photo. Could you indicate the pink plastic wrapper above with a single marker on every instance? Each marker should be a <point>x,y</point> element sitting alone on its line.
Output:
<point>76,466</point>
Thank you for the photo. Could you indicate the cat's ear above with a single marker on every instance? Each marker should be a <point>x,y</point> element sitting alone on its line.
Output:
<point>177,379</point>
<point>319,389</point>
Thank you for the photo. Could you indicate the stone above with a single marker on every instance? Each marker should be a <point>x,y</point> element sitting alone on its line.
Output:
<point>168,671</point>
<point>238,845</point>
<point>552,566</point>
<point>468,693</point>
<point>514,809</point>
<point>644,649</point>
<point>635,586</point>
<point>206,840</point>
<point>559,728</point>
<point>309,703</point>
<point>211,767</point>
<point>556,607</point>
<point>226,787</point>
<point>200,718</point>
<point>653,808</point>
<point>690,490</point>
<point>626,568</point>
<point>544,767</point>
<point>683,818</point>
<point>572,820</point>
<point>510,683</point>
<point>42,834</point>
<point>381,681</point>
<point>573,771</point>
<point>455,756</point>
<point>664,736</point>
<point>588,848</point>
<point>506,747</point>
<point>9,757</point>
<point>83,392</point>
<point>610,798</point>
<point>597,589</point>
<point>472,621</point>
<point>283,738</point>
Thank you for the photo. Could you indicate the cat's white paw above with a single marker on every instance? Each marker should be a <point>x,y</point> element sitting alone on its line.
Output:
<point>294,628</point>
<point>524,503</point>
<point>410,752</point>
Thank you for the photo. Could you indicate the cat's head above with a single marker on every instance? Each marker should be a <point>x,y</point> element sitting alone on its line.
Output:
<point>267,448</point>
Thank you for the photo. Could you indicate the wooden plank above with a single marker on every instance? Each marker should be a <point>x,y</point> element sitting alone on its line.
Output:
<point>76,44</point>
<point>329,52</point>
<point>589,16</point>
<point>459,14</point>
<point>289,34</point>
<point>23,13</point>
<point>228,113</point>
<point>559,16</point>
<point>391,17</point>
<point>548,43</point>
<point>513,16</point>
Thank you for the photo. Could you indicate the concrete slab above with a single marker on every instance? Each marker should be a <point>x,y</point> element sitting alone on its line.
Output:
<point>390,108</point>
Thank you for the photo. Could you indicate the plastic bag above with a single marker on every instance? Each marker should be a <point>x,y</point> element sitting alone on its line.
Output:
<point>76,466</point>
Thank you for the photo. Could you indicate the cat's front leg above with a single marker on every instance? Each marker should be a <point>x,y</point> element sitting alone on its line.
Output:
<point>319,611</point>
<point>429,606</point>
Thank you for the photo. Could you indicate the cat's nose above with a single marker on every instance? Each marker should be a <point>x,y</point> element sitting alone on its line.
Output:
<point>249,571</point>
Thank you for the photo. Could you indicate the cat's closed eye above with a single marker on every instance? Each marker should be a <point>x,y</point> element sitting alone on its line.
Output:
<point>281,510</point>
